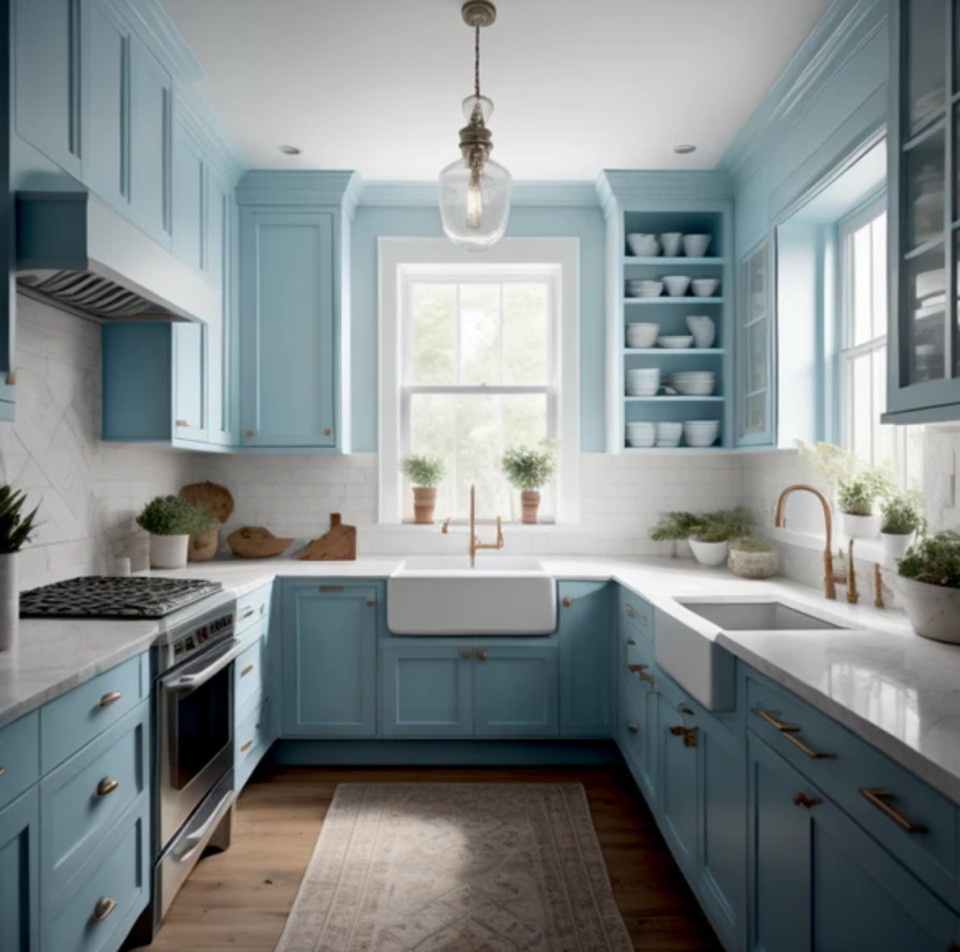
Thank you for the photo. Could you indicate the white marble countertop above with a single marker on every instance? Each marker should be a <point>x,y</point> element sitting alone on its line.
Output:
<point>898,691</point>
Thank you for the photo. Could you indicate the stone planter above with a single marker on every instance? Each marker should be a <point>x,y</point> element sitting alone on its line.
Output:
<point>9,601</point>
<point>861,527</point>
<point>530,501</point>
<point>711,554</point>
<point>753,564</point>
<point>895,546</point>
<point>424,502</point>
<point>932,609</point>
<point>169,551</point>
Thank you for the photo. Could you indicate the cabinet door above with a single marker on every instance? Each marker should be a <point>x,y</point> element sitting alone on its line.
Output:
<point>287,298</point>
<point>329,660</point>
<point>220,337</point>
<point>515,691</point>
<point>678,782</point>
<point>587,647</point>
<point>190,382</point>
<point>638,732</point>
<point>20,874</point>
<point>188,194</point>
<point>150,118</point>
<point>106,84</point>
<point>754,350</point>
<point>46,78</point>
<point>427,690</point>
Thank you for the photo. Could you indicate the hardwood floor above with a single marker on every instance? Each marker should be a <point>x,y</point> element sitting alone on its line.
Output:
<point>240,899</point>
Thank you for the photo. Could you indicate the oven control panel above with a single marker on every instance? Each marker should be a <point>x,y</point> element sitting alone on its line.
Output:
<point>211,630</point>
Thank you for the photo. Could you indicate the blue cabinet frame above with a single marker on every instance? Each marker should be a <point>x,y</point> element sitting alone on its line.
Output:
<point>20,874</point>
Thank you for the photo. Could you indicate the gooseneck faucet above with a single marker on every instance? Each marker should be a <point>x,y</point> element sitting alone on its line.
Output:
<point>475,543</point>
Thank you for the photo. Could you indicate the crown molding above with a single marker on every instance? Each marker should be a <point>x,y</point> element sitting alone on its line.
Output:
<point>624,188</point>
<point>527,194</point>
<point>299,187</point>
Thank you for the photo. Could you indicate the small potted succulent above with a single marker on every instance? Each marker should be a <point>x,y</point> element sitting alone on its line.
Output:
<point>709,535</point>
<point>752,558</point>
<point>171,520</point>
<point>901,518</point>
<point>15,531</point>
<point>929,586</point>
<point>529,469</point>
<point>425,473</point>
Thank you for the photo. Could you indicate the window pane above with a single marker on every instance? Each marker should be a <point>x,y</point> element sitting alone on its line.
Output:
<point>524,334</point>
<point>861,266</point>
<point>434,312</point>
<point>880,276</point>
<point>860,406</point>
<point>884,437</point>
<point>479,334</point>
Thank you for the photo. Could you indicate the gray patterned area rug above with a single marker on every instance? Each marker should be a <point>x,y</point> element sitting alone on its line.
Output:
<point>456,867</point>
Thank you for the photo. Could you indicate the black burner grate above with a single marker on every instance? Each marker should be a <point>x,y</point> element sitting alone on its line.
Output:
<point>99,596</point>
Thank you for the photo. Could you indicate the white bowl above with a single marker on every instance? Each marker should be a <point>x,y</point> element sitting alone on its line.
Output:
<point>640,443</point>
<point>677,285</point>
<point>695,246</point>
<point>671,242</point>
<point>701,432</point>
<point>640,336</point>
<point>704,287</point>
<point>644,246</point>
<point>649,289</point>
<point>675,342</point>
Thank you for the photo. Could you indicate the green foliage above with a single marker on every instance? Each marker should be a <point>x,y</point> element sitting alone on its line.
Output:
<point>833,464</point>
<point>423,470</point>
<point>715,532</point>
<point>710,527</point>
<point>15,528</point>
<point>528,468</point>
<point>855,486</point>
<point>677,527</point>
<point>901,515</point>
<point>173,515</point>
<point>752,545</point>
<point>856,497</point>
<point>935,561</point>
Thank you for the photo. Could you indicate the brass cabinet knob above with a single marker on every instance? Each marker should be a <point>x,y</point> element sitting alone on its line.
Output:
<point>326,431</point>
<point>246,746</point>
<point>12,378</point>
<point>567,602</point>
<point>632,727</point>
<point>107,786</point>
<point>103,907</point>
<point>802,800</point>
<point>482,655</point>
<point>251,433</point>
<point>111,697</point>
<point>466,654</point>
<point>3,770</point>
<point>182,423</point>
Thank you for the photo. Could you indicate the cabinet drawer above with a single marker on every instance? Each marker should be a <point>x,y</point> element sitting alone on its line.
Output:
<point>83,799</point>
<point>635,614</point>
<point>252,735</point>
<point>639,674</point>
<point>253,607</point>
<point>19,756</point>
<point>98,914</point>
<point>249,674</point>
<point>912,820</point>
<point>74,719</point>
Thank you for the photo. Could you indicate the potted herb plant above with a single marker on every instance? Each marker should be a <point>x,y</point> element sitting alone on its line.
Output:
<point>709,535</point>
<point>752,558</point>
<point>929,586</point>
<point>529,469</point>
<point>426,473</point>
<point>171,520</point>
<point>15,531</point>
<point>856,498</point>
<point>901,518</point>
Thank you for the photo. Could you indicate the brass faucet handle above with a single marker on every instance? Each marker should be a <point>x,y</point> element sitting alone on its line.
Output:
<point>445,528</point>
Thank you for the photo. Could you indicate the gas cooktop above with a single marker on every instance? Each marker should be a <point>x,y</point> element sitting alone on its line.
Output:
<point>98,596</point>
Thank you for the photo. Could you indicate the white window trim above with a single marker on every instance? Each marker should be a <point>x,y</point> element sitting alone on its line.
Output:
<point>399,258</point>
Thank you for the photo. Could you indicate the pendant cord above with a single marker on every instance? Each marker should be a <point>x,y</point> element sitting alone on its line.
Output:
<point>476,68</point>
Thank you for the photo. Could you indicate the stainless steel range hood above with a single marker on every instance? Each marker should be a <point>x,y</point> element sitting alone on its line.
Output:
<point>78,254</point>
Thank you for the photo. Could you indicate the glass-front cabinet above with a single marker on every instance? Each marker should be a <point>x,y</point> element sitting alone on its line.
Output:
<point>754,350</point>
<point>924,197</point>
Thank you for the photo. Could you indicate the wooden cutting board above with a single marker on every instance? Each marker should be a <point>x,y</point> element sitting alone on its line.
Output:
<point>338,545</point>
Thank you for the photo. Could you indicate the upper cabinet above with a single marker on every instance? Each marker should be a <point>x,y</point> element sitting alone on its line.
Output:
<point>754,350</point>
<point>924,212</point>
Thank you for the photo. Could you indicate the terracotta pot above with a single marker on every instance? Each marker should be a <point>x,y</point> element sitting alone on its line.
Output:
<point>204,546</point>
<point>530,500</point>
<point>9,601</point>
<point>424,501</point>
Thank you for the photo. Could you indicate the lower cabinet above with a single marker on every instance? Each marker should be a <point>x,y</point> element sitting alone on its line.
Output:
<point>20,874</point>
<point>515,691</point>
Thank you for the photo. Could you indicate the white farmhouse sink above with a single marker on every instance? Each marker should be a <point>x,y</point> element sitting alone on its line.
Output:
<point>444,596</point>
<point>757,616</point>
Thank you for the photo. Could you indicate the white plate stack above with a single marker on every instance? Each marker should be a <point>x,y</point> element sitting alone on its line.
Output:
<point>644,289</point>
<point>695,383</point>
<point>641,435</point>
<point>701,432</point>
<point>675,341</point>
<point>642,336</point>
<point>668,434</point>
<point>644,382</point>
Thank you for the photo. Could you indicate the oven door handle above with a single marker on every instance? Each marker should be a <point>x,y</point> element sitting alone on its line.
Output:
<point>196,838</point>
<point>193,677</point>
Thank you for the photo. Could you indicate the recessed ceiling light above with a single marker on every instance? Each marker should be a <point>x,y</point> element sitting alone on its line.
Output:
<point>290,150</point>
<point>684,149</point>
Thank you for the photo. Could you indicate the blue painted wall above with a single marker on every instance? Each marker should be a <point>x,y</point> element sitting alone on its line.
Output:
<point>374,221</point>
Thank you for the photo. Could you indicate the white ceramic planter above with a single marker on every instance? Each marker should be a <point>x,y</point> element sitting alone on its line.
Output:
<point>9,601</point>
<point>861,527</point>
<point>894,546</point>
<point>168,552</point>
<point>934,611</point>
<point>710,553</point>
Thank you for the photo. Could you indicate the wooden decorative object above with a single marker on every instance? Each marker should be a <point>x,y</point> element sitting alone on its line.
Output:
<point>203,547</point>
<point>338,545</point>
<point>255,542</point>
<point>210,496</point>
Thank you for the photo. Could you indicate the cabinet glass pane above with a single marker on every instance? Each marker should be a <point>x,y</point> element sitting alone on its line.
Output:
<point>926,23</point>
<point>756,335</point>
<point>924,182</point>
<point>756,413</point>
<point>924,324</point>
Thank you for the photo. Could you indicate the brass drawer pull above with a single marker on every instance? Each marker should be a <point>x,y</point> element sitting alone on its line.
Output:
<point>567,602</point>
<point>246,746</point>
<point>103,908</point>
<point>111,697</point>
<point>629,612</point>
<point>632,727</point>
<point>482,655</point>
<point>875,795</point>
<point>331,588</point>
<point>689,734</point>
<point>771,718</point>
<point>3,770</point>
<point>247,614</point>
<point>246,670</point>
<point>802,800</point>
<point>182,423</point>
<point>107,786</point>
<point>466,654</point>
<point>801,746</point>
<point>640,670</point>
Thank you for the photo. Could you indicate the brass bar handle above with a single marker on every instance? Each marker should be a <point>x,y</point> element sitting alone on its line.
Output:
<point>182,423</point>
<point>771,718</point>
<point>246,746</point>
<point>801,746</point>
<point>689,734</point>
<point>246,670</point>
<point>248,613</point>
<point>567,602</point>
<point>103,907</point>
<point>107,786</point>
<point>629,612</point>
<point>331,588</point>
<point>3,770</point>
<point>482,655</point>
<point>875,795</point>
<point>802,800</point>
<point>111,697</point>
<point>632,727</point>
<point>466,654</point>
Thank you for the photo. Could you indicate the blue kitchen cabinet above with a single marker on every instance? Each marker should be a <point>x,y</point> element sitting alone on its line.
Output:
<point>678,782</point>
<point>220,337</point>
<point>515,689</point>
<point>46,78</point>
<point>818,881</point>
<point>288,359</point>
<point>20,874</point>
<point>587,650</point>
<point>329,660</point>
<point>755,349</point>
<point>188,194</point>
<point>426,689</point>
<point>637,729</point>
<point>189,370</point>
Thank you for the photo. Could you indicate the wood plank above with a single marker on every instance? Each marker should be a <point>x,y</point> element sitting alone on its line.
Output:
<point>240,899</point>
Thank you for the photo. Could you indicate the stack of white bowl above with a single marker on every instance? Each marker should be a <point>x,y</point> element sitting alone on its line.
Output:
<point>675,341</point>
<point>695,246</point>
<point>694,383</point>
<point>704,287</point>
<point>668,434</point>
<point>641,434</point>
<point>701,432</point>
<point>644,382</point>
<point>643,245</point>
<point>638,288</point>
<point>641,336</point>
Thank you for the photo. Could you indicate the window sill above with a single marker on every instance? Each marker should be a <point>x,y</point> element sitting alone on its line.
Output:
<point>866,550</point>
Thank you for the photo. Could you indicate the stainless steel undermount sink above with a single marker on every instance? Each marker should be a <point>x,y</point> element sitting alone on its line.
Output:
<point>757,616</point>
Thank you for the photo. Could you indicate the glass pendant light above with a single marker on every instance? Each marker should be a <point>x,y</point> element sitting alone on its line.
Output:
<point>475,190</point>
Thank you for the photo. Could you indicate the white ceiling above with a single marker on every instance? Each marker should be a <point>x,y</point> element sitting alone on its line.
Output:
<point>579,85</point>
